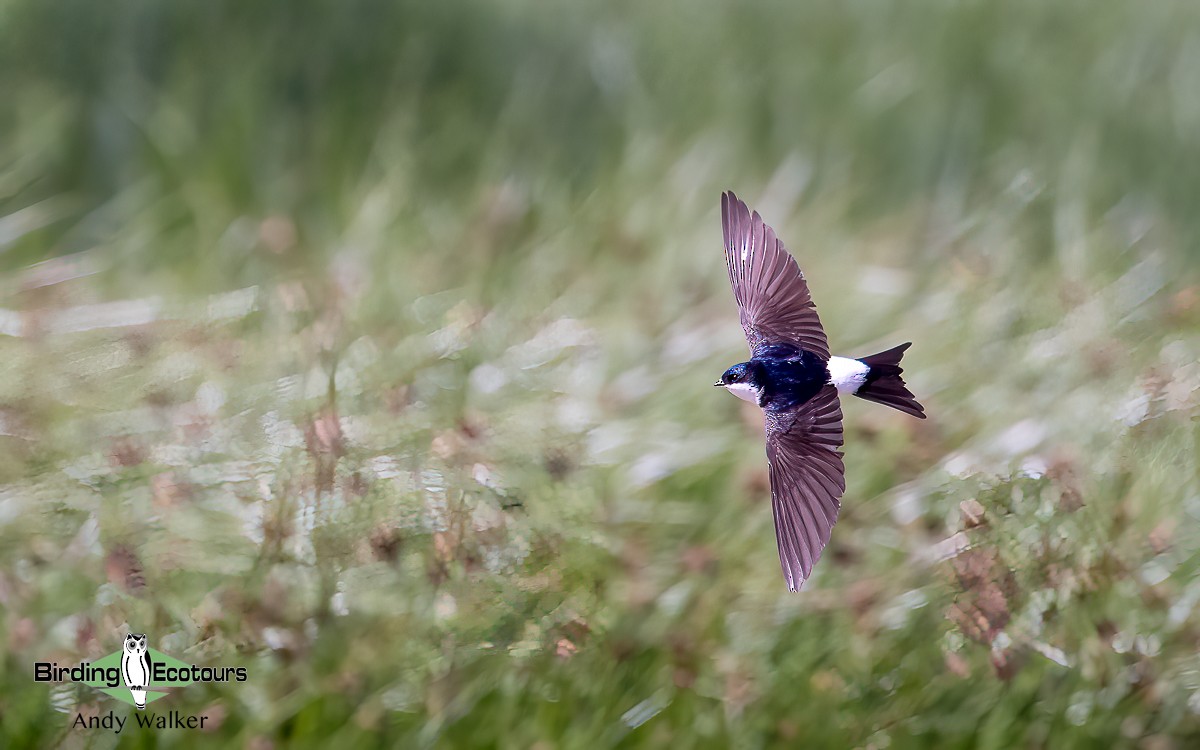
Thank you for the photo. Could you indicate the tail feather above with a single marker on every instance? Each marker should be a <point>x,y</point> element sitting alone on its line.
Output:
<point>883,383</point>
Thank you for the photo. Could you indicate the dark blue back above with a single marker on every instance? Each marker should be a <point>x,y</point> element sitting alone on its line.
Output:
<point>789,376</point>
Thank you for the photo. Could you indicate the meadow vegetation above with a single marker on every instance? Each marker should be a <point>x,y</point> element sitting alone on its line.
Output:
<point>368,345</point>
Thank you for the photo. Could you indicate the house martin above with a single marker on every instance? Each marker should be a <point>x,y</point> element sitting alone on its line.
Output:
<point>792,376</point>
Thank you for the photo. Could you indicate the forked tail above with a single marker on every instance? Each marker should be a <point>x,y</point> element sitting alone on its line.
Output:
<point>883,383</point>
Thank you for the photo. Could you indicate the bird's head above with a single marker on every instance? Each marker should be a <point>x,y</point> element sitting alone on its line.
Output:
<point>739,380</point>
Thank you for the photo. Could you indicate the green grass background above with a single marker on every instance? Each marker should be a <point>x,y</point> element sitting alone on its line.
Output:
<point>368,344</point>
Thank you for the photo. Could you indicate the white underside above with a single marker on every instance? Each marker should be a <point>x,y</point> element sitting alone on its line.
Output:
<point>744,391</point>
<point>847,374</point>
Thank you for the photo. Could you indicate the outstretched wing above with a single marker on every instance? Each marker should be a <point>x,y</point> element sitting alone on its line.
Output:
<point>771,293</point>
<point>807,480</point>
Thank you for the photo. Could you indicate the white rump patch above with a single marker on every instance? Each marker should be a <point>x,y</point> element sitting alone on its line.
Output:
<point>847,374</point>
<point>744,391</point>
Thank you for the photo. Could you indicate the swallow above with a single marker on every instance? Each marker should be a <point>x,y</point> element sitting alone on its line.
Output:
<point>793,378</point>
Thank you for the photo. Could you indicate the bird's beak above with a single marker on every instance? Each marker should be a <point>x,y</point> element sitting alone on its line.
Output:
<point>718,384</point>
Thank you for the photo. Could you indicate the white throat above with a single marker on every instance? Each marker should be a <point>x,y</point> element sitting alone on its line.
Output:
<point>744,391</point>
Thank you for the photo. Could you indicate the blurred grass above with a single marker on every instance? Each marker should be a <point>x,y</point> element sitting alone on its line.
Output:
<point>368,345</point>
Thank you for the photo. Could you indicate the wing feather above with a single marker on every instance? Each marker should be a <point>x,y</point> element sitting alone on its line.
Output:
<point>770,289</point>
<point>807,480</point>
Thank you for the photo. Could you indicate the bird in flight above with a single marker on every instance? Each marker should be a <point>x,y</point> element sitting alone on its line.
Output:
<point>793,378</point>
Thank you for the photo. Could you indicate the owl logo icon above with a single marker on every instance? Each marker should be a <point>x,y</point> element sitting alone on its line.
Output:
<point>136,667</point>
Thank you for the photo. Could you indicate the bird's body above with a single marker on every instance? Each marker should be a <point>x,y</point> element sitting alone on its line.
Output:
<point>784,377</point>
<point>781,377</point>
<point>792,376</point>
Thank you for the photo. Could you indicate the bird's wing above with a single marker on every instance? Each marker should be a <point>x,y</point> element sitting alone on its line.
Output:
<point>771,293</point>
<point>807,480</point>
